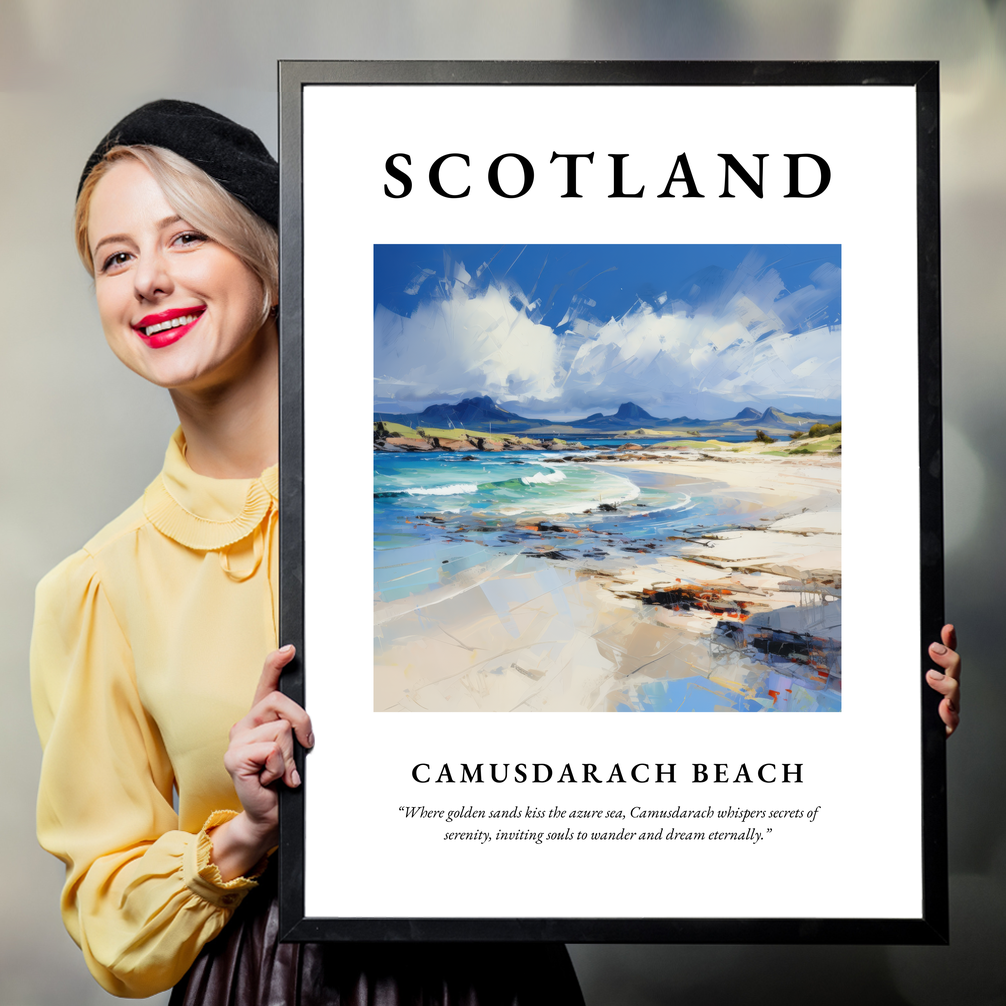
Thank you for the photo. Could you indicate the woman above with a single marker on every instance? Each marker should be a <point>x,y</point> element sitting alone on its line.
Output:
<point>148,643</point>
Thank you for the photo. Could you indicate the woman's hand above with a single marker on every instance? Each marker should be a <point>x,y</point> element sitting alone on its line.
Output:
<point>260,753</point>
<point>947,682</point>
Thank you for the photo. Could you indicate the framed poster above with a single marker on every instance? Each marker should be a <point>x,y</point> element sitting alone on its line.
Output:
<point>605,631</point>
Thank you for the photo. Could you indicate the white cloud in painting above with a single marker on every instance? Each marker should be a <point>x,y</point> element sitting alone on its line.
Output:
<point>457,344</point>
<point>646,354</point>
<point>733,337</point>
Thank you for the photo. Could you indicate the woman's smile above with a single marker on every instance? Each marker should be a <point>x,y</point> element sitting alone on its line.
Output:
<point>166,327</point>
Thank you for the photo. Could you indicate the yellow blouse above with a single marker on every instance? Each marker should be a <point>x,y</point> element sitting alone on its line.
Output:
<point>147,647</point>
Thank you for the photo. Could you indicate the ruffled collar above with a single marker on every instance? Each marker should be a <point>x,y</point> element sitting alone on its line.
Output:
<point>203,513</point>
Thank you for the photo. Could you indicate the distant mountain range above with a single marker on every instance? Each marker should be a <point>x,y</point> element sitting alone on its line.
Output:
<point>483,415</point>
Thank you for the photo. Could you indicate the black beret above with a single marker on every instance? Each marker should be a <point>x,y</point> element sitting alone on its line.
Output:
<point>230,154</point>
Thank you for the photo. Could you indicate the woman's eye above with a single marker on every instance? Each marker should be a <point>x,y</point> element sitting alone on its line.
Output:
<point>190,238</point>
<point>114,261</point>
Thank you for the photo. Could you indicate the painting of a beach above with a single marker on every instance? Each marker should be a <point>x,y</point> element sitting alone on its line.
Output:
<point>607,478</point>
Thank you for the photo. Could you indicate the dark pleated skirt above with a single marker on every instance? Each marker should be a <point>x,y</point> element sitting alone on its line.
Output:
<point>246,965</point>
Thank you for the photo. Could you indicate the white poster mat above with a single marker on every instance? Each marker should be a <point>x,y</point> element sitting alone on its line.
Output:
<point>860,856</point>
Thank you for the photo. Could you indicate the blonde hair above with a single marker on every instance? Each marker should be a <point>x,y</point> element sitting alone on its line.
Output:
<point>199,200</point>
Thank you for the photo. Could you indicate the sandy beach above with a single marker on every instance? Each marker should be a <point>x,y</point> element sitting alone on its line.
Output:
<point>744,616</point>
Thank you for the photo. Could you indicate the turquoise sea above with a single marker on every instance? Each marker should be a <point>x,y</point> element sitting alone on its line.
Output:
<point>466,506</point>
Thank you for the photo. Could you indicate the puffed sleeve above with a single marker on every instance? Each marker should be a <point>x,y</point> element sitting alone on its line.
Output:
<point>141,898</point>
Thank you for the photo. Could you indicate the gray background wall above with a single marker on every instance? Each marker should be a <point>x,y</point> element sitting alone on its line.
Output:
<point>81,436</point>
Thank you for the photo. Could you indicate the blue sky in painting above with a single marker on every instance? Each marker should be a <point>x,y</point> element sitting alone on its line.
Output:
<point>563,331</point>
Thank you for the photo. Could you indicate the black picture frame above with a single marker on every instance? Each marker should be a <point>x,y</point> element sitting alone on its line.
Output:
<point>932,926</point>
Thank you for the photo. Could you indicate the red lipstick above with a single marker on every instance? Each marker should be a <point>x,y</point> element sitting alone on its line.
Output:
<point>165,332</point>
